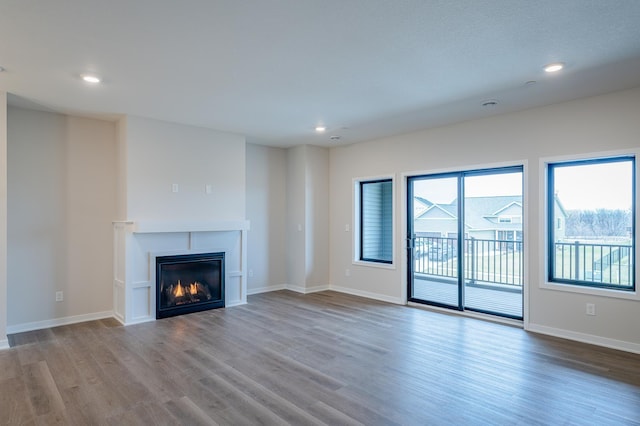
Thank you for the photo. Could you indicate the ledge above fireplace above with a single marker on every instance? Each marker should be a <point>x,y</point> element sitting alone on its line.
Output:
<point>151,226</point>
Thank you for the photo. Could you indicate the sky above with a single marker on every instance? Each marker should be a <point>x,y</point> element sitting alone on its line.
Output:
<point>444,190</point>
<point>594,186</point>
<point>584,187</point>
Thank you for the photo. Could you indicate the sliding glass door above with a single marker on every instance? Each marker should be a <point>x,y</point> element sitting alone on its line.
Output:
<point>465,240</point>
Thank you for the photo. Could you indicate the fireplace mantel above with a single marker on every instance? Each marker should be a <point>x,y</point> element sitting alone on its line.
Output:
<point>136,243</point>
<point>150,226</point>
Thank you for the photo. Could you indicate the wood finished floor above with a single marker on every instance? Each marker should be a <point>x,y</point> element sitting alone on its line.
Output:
<point>324,358</point>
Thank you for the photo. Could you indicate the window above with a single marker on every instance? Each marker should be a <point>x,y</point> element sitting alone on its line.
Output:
<point>376,221</point>
<point>592,205</point>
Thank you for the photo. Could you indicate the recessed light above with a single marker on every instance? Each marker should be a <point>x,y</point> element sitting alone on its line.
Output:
<point>555,67</point>
<point>320,129</point>
<point>90,78</point>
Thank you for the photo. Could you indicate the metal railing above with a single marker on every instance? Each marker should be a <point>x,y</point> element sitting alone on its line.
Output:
<point>609,264</point>
<point>489,261</point>
<point>501,261</point>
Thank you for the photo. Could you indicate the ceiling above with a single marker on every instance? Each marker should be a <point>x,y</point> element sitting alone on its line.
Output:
<point>274,69</point>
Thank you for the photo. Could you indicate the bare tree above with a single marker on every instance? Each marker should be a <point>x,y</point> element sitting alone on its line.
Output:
<point>598,223</point>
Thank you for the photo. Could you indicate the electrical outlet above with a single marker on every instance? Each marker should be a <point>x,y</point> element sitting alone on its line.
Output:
<point>346,228</point>
<point>175,187</point>
<point>59,296</point>
<point>250,272</point>
<point>591,309</point>
<point>347,272</point>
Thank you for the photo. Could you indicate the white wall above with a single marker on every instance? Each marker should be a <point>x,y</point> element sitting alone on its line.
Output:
<point>160,154</point>
<point>295,217</point>
<point>603,123</point>
<point>121,169</point>
<point>266,210</point>
<point>3,220</point>
<point>317,217</point>
<point>61,201</point>
<point>307,218</point>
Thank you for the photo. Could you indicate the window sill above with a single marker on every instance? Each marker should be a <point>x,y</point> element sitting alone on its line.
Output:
<point>593,291</point>
<point>374,264</point>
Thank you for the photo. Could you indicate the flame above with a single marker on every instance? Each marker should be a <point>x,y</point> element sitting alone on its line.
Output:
<point>179,291</point>
<point>193,288</point>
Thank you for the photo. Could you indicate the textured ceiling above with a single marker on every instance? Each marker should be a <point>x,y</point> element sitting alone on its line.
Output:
<point>273,69</point>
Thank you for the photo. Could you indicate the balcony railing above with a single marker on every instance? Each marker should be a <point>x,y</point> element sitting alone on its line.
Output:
<point>501,261</point>
<point>609,264</point>
<point>489,261</point>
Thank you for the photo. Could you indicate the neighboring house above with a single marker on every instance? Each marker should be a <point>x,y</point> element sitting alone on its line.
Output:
<point>420,205</point>
<point>561,219</point>
<point>486,218</point>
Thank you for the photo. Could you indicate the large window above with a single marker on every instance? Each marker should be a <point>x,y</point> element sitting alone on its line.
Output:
<point>591,211</point>
<point>376,221</point>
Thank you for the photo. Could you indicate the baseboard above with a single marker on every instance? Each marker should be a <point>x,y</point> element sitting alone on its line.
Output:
<point>4,344</point>
<point>307,290</point>
<point>291,287</point>
<point>266,289</point>
<point>585,338</point>
<point>232,304</point>
<point>315,289</point>
<point>118,318</point>
<point>39,325</point>
<point>141,320</point>
<point>368,295</point>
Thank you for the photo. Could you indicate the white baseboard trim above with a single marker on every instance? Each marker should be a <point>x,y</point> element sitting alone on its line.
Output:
<point>307,290</point>
<point>39,325</point>
<point>368,295</point>
<point>141,320</point>
<point>266,289</point>
<point>236,303</point>
<point>290,287</point>
<point>119,318</point>
<point>346,290</point>
<point>585,338</point>
<point>4,344</point>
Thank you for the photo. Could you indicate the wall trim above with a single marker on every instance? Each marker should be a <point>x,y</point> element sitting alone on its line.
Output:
<point>39,325</point>
<point>368,295</point>
<point>139,320</point>
<point>290,287</point>
<point>307,290</point>
<point>346,290</point>
<point>4,344</point>
<point>266,289</point>
<point>585,338</point>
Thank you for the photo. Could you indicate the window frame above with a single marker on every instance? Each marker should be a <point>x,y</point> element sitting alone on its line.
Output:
<point>358,258</point>
<point>548,225</point>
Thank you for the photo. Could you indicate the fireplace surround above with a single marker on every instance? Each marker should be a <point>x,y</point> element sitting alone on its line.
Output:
<point>189,283</point>
<point>137,244</point>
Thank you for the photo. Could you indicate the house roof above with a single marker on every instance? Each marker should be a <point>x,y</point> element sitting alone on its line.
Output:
<point>272,71</point>
<point>482,212</point>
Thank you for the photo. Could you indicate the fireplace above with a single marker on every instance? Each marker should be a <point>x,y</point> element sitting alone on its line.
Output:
<point>189,283</point>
